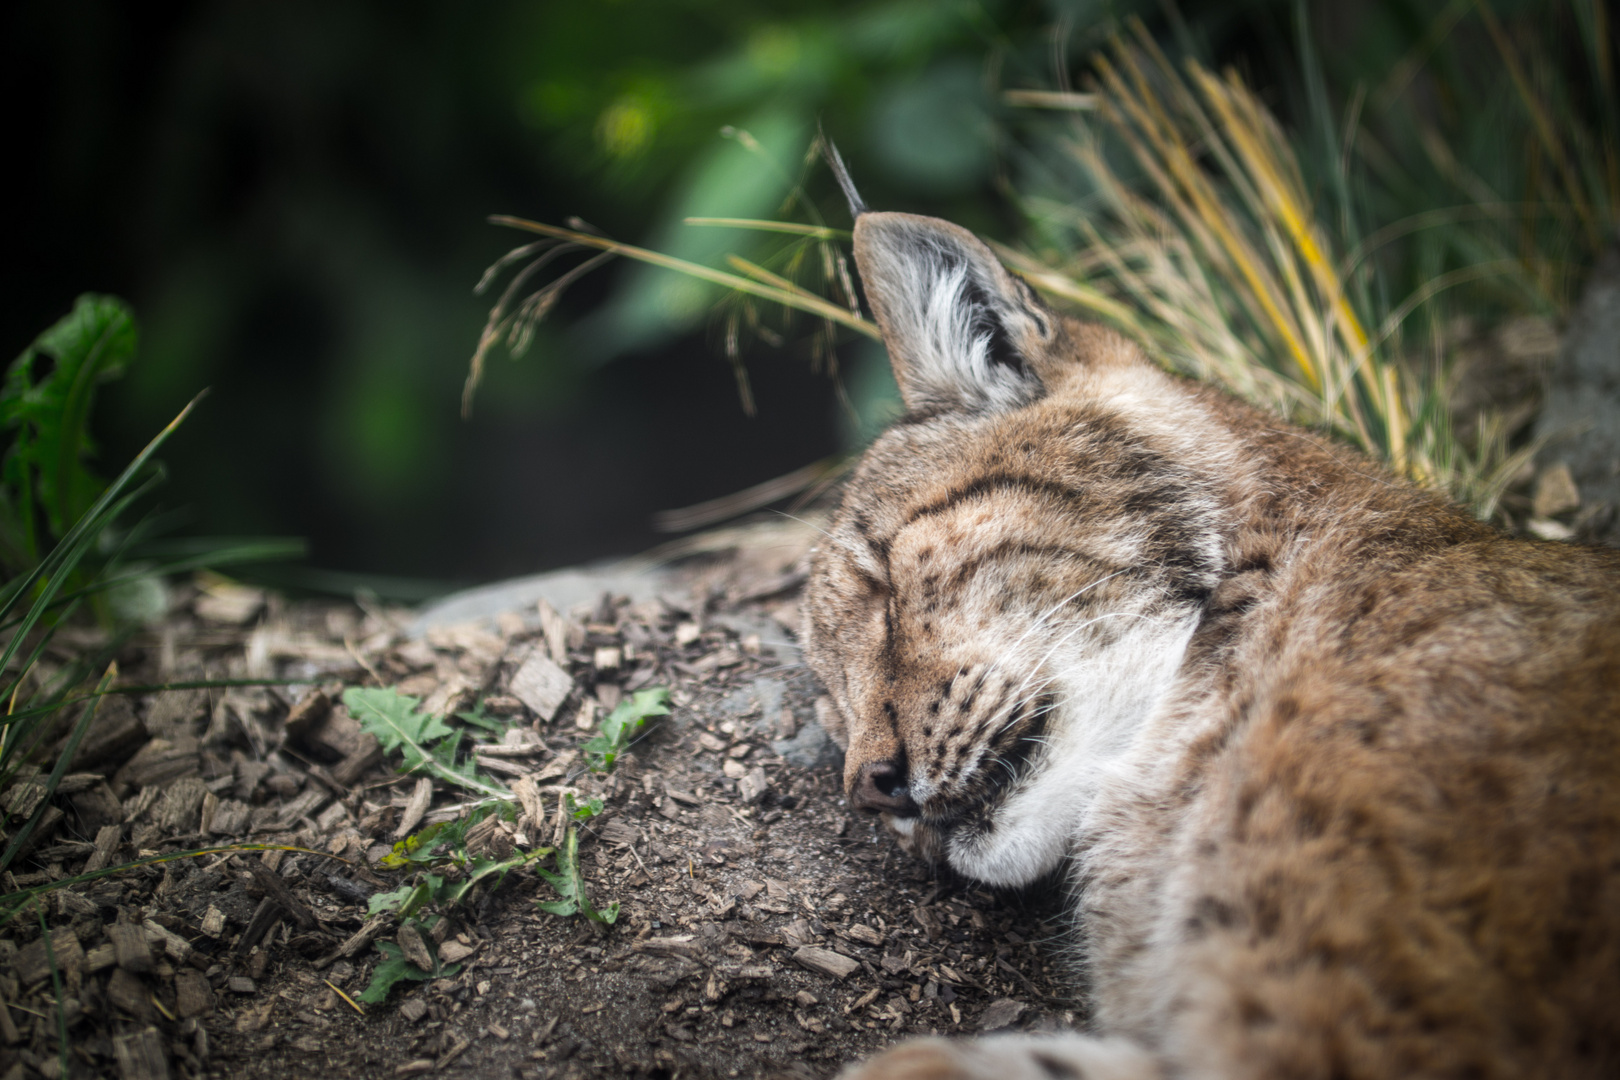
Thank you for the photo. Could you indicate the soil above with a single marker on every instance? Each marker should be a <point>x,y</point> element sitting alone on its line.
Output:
<point>763,929</point>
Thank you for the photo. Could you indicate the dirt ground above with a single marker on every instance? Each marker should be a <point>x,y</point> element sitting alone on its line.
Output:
<point>764,928</point>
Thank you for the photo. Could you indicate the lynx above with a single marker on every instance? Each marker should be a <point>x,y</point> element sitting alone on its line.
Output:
<point>1330,769</point>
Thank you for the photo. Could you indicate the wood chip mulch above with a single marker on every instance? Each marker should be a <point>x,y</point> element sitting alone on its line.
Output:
<point>764,929</point>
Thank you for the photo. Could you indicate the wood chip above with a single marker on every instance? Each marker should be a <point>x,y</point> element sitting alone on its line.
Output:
<point>306,804</point>
<point>173,944</point>
<point>358,941</point>
<point>411,816</point>
<point>826,961</point>
<point>560,634</point>
<point>100,958</point>
<point>681,945</point>
<point>33,965</point>
<point>275,888</point>
<point>454,952</point>
<point>159,763</point>
<point>229,603</point>
<point>413,1010</point>
<point>129,995</point>
<point>415,949</point>
<point>367,755</point>
<point>864,934</point>
<point>230,818</point>
<point>141,1055</point>
<point>130,947</point>
<point>541,685</point>
<point>753,786</point>
<point>115,733</point>
<point>311,709</point>
<point>193,996</point>
<point>180,808</point>
<point>108,838</point>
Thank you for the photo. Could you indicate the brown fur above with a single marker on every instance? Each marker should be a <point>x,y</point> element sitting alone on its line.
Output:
<point>1369,826</point>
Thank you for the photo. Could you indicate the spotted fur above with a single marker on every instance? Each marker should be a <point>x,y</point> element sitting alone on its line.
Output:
<point>1332,768</point>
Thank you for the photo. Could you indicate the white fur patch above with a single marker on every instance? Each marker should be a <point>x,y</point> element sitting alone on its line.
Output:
<point>1106,697</point>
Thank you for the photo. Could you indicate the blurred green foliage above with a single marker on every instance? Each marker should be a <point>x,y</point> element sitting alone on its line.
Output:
<point>293,196</point>
<point>45,409</point>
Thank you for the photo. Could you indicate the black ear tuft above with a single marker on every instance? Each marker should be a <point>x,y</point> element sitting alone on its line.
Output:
<point>857,206</point>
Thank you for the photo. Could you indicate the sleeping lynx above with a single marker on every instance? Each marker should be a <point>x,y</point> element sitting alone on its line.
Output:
<point>1332,769</point>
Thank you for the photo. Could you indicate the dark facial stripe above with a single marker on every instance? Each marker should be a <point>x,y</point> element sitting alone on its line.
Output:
<point>1011,548</point>
<point>997,482</point>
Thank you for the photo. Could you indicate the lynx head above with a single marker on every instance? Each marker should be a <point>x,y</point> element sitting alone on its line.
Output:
<point>1018,563</point>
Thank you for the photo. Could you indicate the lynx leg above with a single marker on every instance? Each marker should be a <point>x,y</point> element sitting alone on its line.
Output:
<point>1011,1057</point>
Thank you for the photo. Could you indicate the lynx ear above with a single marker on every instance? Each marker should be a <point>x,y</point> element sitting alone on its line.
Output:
<point>961,331</point>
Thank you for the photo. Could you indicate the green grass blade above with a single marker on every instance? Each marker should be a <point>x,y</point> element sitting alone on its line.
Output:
<point>78,540</point>
<point>63,759</point>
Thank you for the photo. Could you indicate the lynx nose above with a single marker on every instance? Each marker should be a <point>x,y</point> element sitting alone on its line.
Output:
<point>880,787</point>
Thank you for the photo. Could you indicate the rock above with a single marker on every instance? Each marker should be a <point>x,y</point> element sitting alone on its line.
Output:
<point>1555,492</point>
<point>541,684</point>
<point>734,769</point>
<point>1581,418</point>
<point>826,961</point>
<point>561,589</point>
<point>811,748</point>
<point>1003,1012</point>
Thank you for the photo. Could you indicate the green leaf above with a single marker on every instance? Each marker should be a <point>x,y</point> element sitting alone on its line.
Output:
<point>622,725</point>
<point>393,718</point>
<point>570,885</point>
<point>50,414</point>
<point>388,901</point>
<point>480,719</point>
<point>584,812</point>
<point>394,969</point>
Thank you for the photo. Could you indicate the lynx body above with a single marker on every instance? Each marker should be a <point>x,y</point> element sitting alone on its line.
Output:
<point>1333,769</point>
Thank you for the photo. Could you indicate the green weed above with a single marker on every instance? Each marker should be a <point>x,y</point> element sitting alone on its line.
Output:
<point>621,726</point>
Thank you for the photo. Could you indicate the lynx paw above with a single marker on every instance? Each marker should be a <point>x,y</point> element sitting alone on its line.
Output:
<point>1012,1057</point>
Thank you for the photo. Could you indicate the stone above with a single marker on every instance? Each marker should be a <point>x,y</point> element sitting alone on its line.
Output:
<point>1003,1012</point>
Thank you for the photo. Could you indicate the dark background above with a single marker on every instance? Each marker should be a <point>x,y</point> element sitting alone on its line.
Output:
<point>293,196</point>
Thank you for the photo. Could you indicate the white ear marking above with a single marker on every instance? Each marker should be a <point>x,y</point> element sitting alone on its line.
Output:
<point>955,322</point>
